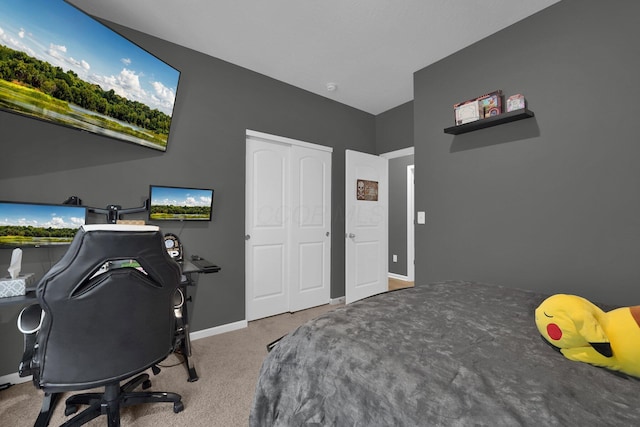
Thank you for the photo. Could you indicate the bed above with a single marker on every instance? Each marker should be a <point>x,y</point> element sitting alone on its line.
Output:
<point>452,353</point>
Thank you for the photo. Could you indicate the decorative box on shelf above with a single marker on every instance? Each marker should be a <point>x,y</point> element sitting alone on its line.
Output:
<point>487,105</point>
<point>516,102</point>
<point>15,287</point>
<point>491,104</point>
<point>467,112</point>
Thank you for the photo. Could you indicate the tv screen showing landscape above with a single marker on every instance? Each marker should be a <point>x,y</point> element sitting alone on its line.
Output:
<point>36,224</point>
<point>180,204</point>
<point>59,65</point>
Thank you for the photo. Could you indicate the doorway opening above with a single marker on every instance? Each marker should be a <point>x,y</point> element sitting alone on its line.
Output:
<point>401,218</point>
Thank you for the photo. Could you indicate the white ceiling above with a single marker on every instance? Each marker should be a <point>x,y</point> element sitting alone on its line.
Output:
<point>368,48</point>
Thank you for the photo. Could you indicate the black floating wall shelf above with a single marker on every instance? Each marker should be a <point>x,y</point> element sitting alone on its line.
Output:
<point>511,116</point>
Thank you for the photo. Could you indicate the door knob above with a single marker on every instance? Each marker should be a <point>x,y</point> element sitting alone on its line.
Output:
<point>247,236</point>
<point>351,235</point>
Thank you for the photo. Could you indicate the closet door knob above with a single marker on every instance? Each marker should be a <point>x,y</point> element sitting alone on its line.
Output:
<point>247,236</point>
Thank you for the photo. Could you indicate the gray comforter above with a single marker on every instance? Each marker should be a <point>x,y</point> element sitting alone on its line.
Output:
<point>444,354</point>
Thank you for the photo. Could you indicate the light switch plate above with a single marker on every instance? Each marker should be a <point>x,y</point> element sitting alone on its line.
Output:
<point>421,217</point>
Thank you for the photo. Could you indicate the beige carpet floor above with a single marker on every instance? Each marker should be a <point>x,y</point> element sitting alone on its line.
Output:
<point>227,365</point>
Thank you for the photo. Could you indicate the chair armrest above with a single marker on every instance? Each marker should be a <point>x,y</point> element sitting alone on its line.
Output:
<point>29,323</point>
<point>30,319</point>
<point>178,302</point>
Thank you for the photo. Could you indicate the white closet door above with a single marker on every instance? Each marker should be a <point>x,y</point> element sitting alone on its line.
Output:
<point>288,225</point>
<point>310,228</point>
<point>267,249</point>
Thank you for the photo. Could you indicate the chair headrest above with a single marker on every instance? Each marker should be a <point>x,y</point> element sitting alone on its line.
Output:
<point>119,227</point>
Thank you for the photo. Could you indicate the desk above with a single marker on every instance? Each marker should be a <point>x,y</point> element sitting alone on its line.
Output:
<point>25,299</point>
<point>188,269</point>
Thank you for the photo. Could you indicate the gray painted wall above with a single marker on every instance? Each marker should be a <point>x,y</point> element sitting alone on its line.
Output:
<point>394,131</point>
<point>217,102</point>
<point>394,128</point>
<point>549,203</point>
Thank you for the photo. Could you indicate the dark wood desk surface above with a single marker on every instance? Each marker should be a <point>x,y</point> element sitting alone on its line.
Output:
<point>189,267</point>
<point>25,299</point>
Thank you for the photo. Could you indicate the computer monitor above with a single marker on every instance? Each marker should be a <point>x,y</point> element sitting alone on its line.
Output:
<point>180,203</point>
<point>39,224</point>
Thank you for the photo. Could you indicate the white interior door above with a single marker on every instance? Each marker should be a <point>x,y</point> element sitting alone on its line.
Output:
<point>267,246</point>
<point>288,223</point>
<point>310,228</point>
<point>366,225</point>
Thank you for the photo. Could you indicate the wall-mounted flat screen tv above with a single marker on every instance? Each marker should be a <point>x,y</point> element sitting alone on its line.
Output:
<point>180,204</point>
<point>59,65</point>
<point>37,224</point>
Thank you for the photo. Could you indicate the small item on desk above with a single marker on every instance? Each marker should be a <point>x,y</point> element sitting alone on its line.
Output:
<point>131,221</point>
<point>16,263</point>
<point>204,265</point>
<point>16,287</point>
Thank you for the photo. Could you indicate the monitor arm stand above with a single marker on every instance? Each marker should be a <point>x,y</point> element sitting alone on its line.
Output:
<point>115,212</point>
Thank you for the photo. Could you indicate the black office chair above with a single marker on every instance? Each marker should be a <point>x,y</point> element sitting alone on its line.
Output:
<point>107,314</point>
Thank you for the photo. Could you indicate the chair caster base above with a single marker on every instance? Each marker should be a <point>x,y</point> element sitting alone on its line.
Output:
<point>70,409</point>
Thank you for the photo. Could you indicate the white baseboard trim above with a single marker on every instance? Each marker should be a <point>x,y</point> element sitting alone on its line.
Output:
<point>336,301</point>
<point>14,379</point>
<point>218,330</point>
<point>399,277</point>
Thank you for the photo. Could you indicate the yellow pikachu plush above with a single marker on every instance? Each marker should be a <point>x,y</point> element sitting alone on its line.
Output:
<point>585,333</point>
